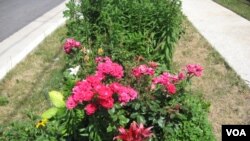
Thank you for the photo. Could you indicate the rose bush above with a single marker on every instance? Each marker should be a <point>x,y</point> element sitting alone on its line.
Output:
<point>101,104</point>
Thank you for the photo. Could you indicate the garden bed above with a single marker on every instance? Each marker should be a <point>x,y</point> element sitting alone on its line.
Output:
<point>120,82</point>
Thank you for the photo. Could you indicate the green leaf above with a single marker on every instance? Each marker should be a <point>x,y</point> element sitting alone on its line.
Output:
<point>123,120</point>
<point>161,122</point>
<point>84,135</point>
<point>137,106</point>
<point>134,115</point>
<point>141,119</point>
<point>61,111</point>
<point>110,128</point>
<point>49,113</point>
<point>111,111</point>
<point>57,99</point>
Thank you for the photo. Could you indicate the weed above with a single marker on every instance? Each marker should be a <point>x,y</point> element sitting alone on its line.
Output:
<point>3,101</point>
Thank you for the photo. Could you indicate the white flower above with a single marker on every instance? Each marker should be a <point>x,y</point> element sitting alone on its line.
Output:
<point>73,71</point>
<point>88,51</point>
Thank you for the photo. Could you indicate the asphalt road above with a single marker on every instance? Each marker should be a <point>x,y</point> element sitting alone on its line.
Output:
<point>15,14</point>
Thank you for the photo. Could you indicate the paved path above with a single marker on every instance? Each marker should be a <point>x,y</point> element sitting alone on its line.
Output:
<point>226,31</point>
<point>18,45</point>
<point>15,14</point>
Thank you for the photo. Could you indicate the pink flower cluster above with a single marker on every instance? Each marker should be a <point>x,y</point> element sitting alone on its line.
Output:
<point>69,44</point>
<point>169,81</point>
<point>194,70</point>
<point>107,67</point>
<point>95,94</point>
<point>136,132</point>
<point>125,94</point>
<point>143,70</point>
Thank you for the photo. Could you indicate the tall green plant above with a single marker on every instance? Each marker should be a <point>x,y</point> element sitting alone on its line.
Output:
<point>148,28</point>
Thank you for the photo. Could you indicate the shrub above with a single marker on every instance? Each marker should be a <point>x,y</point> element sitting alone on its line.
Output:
<point>192,122</point>
<point>127,28</point>
<point>153,103</point>
<point>32,129</point>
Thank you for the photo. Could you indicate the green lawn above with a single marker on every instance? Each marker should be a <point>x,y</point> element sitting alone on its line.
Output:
<point>241,7</point>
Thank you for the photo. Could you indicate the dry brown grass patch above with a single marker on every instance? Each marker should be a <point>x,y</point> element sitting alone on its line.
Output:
<point>26,86</point>
<point>228,94</point>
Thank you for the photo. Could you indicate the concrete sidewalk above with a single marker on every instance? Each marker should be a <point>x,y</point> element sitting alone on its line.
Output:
<point>15,48</point>
<point>226,31</point>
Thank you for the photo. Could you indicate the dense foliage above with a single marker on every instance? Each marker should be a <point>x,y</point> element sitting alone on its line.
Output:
<point>125,28</point>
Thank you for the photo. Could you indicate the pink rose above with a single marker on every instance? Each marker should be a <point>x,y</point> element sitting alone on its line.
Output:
<point>71,104</point>
<point>69,44</point>
<point>171,88</point>
<point>181,76</point>
<point>194,69</point>
<point>107,103</point>
<point>90,109</point>
<point>142,70</point>
<point>104,92</point>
